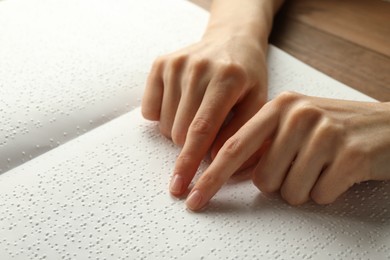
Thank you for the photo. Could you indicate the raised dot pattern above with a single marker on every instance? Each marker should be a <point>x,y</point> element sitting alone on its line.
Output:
<point>105,195</point>
<point>69,66</point>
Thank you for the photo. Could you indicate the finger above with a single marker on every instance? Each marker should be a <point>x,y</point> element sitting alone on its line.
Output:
<point>244,111</point>
<point>171,96</point>
<point>313,157</point>
<point>153,95</point>
<point>233,153</point>
<point>270,172</point>
<point>345,171</point>
<point>218,100</point>
<point>304,172</point>
<point>193,89</point>
<point>254,159</point>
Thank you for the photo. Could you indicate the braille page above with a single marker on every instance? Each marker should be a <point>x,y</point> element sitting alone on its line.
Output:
<point>67,66</point>
<point>104,195</point>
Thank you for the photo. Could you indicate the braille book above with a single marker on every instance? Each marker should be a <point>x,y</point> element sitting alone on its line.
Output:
<point>84,176</point>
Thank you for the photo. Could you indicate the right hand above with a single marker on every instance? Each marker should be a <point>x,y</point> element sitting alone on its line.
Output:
<point>319,148</point>
<point>192,91</point>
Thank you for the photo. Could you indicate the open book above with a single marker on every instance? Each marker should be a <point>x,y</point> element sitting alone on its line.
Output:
<point>85,177</point>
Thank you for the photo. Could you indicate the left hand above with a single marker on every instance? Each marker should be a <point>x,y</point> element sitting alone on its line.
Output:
<point>193,91</point>
<point>319,148</point>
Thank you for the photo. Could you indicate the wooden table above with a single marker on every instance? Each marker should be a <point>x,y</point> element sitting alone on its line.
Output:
<point>348,40</point>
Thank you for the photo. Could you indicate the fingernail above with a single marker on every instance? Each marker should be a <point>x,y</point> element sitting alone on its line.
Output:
<point>176,184</point>
<point>194,200</point>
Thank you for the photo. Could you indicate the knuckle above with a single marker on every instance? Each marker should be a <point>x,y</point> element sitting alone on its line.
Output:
<point>184,158</point>
<point>329,131</point>
<point>211,180</point>
<point>232,148</point>
<point>159,62</point>
<point>232,75</point>
<point>156,71</point>
<point>287,97</point>
<point>326,127</point>
<point>182,161</point>
<point>304,112</point>
<point>201,126</point>
<point>196,72</point>
<point>177,62</point>
<point>198,65</point>
<point>232,69</point>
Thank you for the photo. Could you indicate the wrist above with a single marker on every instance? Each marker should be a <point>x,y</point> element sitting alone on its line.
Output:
<point>252,20</point>
<point>236,41</point>
<point>248,32</point>
<point>245,29</point>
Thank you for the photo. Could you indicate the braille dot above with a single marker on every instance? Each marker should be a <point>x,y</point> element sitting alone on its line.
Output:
<point>104,194</point>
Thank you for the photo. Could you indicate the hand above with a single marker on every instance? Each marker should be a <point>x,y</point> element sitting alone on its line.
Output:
<point>192,91</point>
<point>319,148</point>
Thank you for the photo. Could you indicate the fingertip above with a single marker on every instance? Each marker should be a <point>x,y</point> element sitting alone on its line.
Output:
<point>150,114</point>
<point>178,136</point>
<point>321,197</point>
<point>195,200</point>
<point>176,186</point>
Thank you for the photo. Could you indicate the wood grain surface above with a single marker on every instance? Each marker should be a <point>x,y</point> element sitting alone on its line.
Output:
<point>348,40</point>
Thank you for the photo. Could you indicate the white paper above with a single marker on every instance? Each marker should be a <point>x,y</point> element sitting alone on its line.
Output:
<point>67,66</point>
<point>104,195</point>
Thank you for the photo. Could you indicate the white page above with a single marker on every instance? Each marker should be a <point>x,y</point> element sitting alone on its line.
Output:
<point>67,66</point>
<point>105,195</point>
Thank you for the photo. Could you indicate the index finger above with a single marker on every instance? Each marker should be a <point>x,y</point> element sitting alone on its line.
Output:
<point>216,104</point>
<point>232,155</point>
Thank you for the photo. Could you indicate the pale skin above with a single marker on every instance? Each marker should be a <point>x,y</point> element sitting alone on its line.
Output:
<point>310,147</point>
